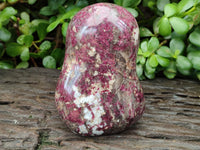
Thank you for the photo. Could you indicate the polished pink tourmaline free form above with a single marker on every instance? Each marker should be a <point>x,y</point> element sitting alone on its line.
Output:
<point>98,91</point>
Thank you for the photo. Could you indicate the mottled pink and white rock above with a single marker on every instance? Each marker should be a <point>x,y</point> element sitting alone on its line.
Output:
<point>98,91</point>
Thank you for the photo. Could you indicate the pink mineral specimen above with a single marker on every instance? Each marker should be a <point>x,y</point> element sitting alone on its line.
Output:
<point>98,91</point>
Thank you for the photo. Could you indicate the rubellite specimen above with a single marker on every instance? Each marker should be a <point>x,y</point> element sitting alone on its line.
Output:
<point>98,91</point>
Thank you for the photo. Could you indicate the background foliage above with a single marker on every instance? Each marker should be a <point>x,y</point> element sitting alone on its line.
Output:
<point>32,33</point>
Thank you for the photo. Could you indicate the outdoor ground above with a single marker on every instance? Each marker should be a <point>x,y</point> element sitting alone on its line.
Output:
<point>29,119</point>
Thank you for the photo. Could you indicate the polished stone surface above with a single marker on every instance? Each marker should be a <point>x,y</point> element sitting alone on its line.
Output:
<point>98,91</point>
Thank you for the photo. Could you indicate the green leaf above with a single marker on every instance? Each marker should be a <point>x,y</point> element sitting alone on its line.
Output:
<point>21,22</point>
<point>25,40</point>
<point>170,71</point>
<point>25,16</point>
<point>177,44</point>
<point>20,39</point>
<point>194,57</point>
<point>148,67</point>
<point>6,13</point>
<point>144,46</point>
<point>49,62</point>
<point>14,49</point>
<point>191,48</point>
<point>135,3</point>
<point>118,2</point>
<point>155,25</point>
<point>149,3</point>
<point>179,25</point>
<point>70,13</point>
<point>183,65</point>
<point>52,19</point>
<point>193,54</point>
<point>164,26</point>
<point>64,28</point>
<point>14,18</point>
<point>137,59</point>
<point>164,62</point>
<point>153,62</point>
<point>164,51</point>
<point>176,53</point>
<point>184,72</point>
<point>169,75</point>
<point>176,35</point>
<point>24,56</point>
<point>58,54</point>
<point>82,3</point>
<point>127,3</point>
<point>53,25</point>
<point>60,19</point>
<point>27,28</point>
<point>132,11</point>
<point>23,64</point>
<point>12,1</point>
<point>149,75</point>
<point>194,16</point>
<point>28,39</point>
<point>36,22</point>
<point>62,9</point>
<point>46,45</point>
<point>139,70</point>
<point>44,49</point>
<point>5,35</point>
<point>161,4</point>
<point>142,60</point>
<point>55,4</point>
<point>145,32</point>
<point>31,2</point>
<point>196,2</point>
<point>47,11</point>
<point>139,51</point>
<point>41,30</point>
<point>195,63</point>
<point>5,65</point>
<point>170,10</point>
<point>184,5</point>
<point>194,38</point>
<point>147,54</point>
<point>153,44</point>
